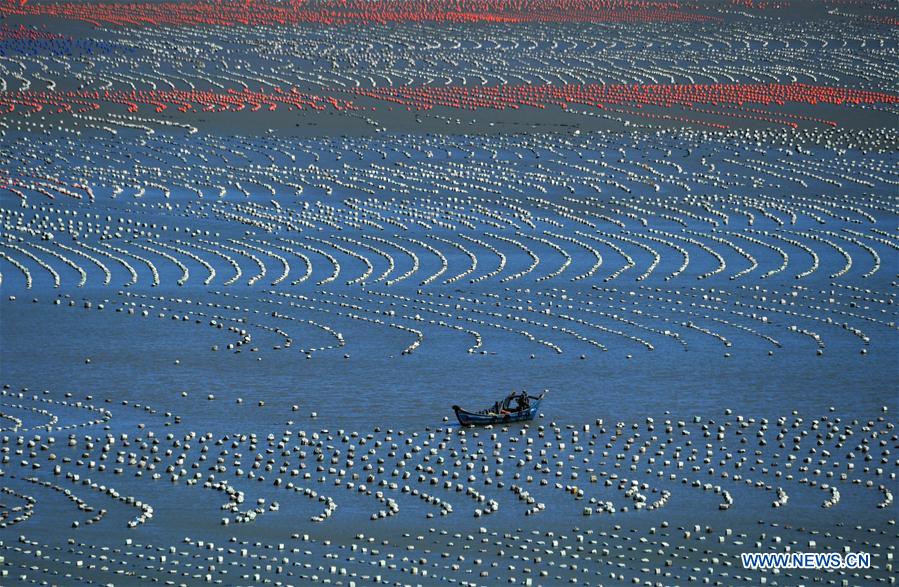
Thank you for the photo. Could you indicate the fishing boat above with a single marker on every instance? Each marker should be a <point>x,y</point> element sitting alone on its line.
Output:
<point>501,412</point>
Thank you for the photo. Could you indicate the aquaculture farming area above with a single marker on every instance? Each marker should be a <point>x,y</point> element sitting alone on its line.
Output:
<point>252,252</point>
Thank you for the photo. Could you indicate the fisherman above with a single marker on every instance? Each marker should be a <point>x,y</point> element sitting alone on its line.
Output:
<point>524,402</point>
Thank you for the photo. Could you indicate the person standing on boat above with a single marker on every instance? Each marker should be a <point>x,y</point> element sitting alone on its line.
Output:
<point>522,402</point>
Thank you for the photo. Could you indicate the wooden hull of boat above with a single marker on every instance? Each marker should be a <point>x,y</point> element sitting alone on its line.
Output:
<point>467,418</point>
